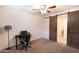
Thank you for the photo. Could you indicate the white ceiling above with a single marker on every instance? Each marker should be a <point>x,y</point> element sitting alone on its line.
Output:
<point>58,9</point>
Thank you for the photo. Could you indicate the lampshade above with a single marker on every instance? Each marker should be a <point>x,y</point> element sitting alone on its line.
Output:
<point>8,27</point>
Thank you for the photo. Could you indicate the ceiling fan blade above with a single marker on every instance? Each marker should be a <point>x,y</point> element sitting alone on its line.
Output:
<point>51,7</point>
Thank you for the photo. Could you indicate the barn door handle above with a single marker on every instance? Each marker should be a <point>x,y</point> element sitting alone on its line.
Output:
<point>62,32</point>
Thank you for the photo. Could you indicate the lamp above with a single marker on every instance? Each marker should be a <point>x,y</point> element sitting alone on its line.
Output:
<point>8,27</point>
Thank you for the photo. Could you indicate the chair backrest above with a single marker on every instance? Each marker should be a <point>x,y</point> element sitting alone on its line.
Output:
<point>23,33</point>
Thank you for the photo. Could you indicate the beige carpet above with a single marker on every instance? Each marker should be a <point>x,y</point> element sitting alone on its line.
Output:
<point>44,46</point>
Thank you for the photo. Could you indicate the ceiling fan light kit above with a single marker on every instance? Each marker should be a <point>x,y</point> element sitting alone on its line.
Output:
<point>43,11</point>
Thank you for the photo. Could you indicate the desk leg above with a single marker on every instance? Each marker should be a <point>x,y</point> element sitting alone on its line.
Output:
<point>16,44</point>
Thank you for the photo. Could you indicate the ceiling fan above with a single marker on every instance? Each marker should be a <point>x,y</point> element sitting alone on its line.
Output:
<point>43,9</point>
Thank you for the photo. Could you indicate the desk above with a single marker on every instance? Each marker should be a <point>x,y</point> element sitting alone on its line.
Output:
<point>17,37</point>
<point>20,37</point>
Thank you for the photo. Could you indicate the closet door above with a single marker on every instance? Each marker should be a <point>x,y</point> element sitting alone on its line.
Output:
<point>53,28</point>
<point>73,29</point>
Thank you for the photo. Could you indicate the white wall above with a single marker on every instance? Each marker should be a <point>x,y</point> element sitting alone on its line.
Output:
<point>46,28</point>
<point>19,20</point>
<point>2,17</point>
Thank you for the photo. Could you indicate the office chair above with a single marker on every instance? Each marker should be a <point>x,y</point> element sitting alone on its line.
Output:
<point>25,39</point>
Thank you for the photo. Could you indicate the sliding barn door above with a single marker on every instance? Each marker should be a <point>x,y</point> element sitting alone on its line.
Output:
<point>73,29</point>
<point>53,28</point>
<point>62,29</point>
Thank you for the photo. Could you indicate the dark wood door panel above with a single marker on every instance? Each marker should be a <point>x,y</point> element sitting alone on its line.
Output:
<point>73,29</point>
<point>53,28</point>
